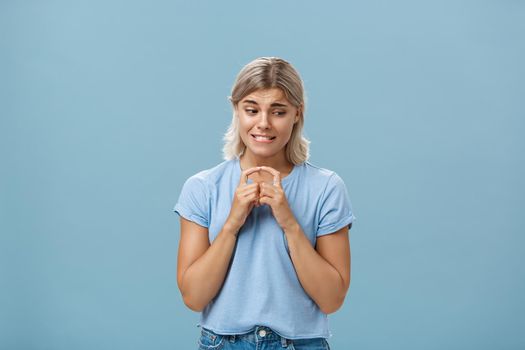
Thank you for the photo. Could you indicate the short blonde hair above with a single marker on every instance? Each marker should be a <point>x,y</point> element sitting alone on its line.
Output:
<point>267,73</point>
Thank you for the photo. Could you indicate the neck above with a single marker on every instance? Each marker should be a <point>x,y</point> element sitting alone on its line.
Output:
<point>278,161</point>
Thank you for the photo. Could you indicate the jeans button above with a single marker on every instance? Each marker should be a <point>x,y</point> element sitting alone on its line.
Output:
<point>262,333</point>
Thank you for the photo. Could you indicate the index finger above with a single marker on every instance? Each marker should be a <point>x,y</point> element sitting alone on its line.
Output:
<point>244,175</point>
<point>275,173</point>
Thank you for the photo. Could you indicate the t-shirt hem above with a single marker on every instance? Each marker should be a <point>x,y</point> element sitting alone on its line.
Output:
<point>235,332</point>
<point>337,226</point>
<point>189,216</point>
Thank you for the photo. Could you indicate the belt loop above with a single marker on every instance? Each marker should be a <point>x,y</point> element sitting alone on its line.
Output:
<point>284,342</point>
<point>232,338</point>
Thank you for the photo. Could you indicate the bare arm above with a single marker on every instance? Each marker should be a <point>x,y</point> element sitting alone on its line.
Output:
<point>324,272</point>
<point>201,267</point>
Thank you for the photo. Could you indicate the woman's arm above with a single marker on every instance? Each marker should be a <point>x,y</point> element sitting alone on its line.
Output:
<point>201,267</point>
<point>324,272</point>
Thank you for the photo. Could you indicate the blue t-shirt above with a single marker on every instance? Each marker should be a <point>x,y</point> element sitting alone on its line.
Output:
<point>261,286</point>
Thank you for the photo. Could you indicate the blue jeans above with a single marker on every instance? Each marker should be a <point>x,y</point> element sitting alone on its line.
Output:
<point>261,338</point>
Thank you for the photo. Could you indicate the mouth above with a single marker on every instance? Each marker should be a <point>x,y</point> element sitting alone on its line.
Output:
<point>263,139</point>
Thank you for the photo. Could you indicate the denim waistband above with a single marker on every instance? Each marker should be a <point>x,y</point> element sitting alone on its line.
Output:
<point>256,335</point>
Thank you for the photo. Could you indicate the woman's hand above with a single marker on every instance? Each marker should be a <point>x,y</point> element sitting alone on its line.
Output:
<point>245,197</point>
<point>274,196</point>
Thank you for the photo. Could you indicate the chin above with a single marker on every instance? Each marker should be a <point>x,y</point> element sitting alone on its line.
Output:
<point>263,153</point>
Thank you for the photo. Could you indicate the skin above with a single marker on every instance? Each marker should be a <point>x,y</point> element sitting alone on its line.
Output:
<point>323,270</point>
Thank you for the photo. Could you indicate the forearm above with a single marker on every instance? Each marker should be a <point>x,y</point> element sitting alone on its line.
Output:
<point>321,281</point>
<point>203,279</point>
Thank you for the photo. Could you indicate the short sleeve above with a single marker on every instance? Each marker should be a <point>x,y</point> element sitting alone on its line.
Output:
<point>336,208</point>
<point>193,202</point>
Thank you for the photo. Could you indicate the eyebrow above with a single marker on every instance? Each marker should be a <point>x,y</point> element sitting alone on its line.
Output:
<point>275,104</point>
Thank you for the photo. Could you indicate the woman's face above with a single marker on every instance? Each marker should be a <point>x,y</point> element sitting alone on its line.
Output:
<point>266,121</point>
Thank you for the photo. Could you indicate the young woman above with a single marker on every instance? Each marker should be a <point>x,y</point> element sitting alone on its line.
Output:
<point>264,252</point>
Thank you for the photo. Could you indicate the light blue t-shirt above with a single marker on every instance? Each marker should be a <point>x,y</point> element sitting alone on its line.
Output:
<point>261,286</point>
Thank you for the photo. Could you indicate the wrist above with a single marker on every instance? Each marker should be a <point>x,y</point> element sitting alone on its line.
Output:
<point>292,228</point>
<point>231,226</point>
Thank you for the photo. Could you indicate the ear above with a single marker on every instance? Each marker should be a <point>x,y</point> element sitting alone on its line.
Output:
<point>297,115</point>
<point>236,110</point>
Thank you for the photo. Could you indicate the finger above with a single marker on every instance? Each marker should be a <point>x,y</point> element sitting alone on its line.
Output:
<point>268,190</point>
<point>245,173</point>
<point>251,186</point>
<point>250,191</point>
<point>253,198</point>
<point>253,195</point>
<point>275,173</point>
<point>264,200</point>
<point>264,189</point>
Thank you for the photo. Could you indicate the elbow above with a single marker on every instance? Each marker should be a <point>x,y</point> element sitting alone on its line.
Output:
<point>189,298</point>
<point>335,305</point>
<point>330,309</point>
<point>191,304</point>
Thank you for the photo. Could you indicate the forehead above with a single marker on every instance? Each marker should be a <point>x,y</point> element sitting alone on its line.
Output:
<point>263,96</point>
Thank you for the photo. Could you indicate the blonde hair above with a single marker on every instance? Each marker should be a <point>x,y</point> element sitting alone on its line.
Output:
<point>267,73</point>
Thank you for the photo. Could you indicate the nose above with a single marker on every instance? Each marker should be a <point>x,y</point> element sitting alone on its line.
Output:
<point>263,122</point>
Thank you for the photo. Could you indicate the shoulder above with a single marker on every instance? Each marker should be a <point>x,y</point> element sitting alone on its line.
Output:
<point>210,176</point>
<point>319,174</point>
<point>324,181</point>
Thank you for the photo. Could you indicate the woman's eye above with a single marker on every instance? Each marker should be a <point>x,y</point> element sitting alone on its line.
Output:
<point>254,111</point>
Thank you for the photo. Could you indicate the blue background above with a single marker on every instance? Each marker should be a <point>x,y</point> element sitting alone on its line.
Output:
<point>108,106</point>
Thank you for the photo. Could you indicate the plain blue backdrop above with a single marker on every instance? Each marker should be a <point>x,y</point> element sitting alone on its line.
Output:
<point>108,106</point>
